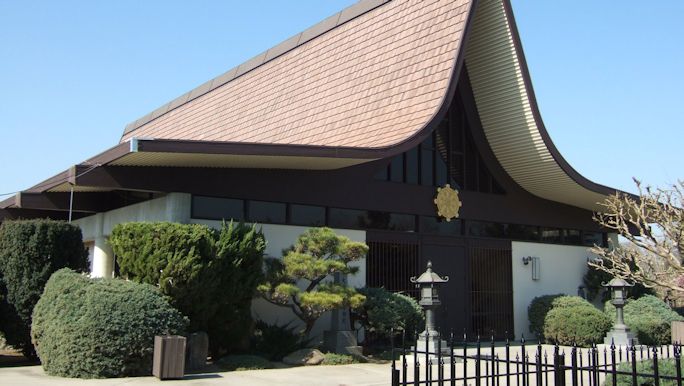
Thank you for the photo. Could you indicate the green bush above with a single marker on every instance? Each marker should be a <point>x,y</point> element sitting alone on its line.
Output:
<point>210,276</point>
<point>573,320</point>
<point>276,341</point>
<point>30,251</point>
<point>243,362</point>
<point>332,359</point>
<point>383,311</point>
<point>540,307</point>
<point>536,312</point>
<point>100,328</point>
<point>649,318</point>
<point>666,367</point>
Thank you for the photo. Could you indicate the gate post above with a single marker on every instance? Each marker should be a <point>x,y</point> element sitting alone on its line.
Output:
<point>559,368</point>
<point>395,371</point>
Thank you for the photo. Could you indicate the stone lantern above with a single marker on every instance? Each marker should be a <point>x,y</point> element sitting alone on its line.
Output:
<point>428,283</point>
<point>620,335</point>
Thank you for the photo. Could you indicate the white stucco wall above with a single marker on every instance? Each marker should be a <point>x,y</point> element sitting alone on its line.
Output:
<point>280,237</point>
<point>562,268</point>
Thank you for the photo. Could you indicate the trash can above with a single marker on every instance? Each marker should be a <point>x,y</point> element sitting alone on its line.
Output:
<point>169,357</point>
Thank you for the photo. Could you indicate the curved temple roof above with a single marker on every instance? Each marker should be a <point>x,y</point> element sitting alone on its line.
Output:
<point>366,83</point>
<point>371,82</point>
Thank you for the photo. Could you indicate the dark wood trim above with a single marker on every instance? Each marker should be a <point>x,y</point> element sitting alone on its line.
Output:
<point>83,202</point>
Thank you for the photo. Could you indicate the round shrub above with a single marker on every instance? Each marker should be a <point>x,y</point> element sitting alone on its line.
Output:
<point>649,318</point>
<point>383,311</point>
<point>573,320</point>
<point>95,328</point>
<point>536,312</point>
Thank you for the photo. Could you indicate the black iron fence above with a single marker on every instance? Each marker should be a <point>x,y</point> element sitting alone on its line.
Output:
<point>452,362</point>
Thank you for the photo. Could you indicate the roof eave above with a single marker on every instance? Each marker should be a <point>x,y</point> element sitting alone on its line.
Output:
<point>558,157</point>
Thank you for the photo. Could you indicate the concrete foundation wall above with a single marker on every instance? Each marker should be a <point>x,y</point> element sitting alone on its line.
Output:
<point>174,207</point>
<point>561,268</point>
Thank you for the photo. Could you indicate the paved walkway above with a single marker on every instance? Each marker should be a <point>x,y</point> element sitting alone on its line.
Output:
<point>346,375</point>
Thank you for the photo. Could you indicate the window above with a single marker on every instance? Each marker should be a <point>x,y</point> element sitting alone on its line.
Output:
<point>551,235</point>
<point>361,219</point>
<point>448,155</point>
<point>267,212</point>
<point>346,218</point>
<point>307,215</point>
<point>572,236</point>
<point>592,238</point>
<point>397,169</point>
<point>523,232</point>
<point>215,208</point>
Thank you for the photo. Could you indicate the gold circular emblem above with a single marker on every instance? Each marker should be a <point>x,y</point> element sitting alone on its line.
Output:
<point>448,203</point>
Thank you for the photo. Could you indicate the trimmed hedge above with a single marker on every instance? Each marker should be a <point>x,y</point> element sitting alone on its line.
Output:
<point>573,320</point>
<point>536,313</point>
<point>211,276</point>
<point>383,311</point>
<point>30,251</point>
<point>95,328</point>
<point>649,318</point>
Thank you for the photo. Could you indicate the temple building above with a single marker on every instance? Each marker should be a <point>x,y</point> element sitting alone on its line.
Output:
<point>359,123</point>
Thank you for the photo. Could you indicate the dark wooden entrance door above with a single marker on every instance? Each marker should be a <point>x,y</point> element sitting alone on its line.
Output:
<point>448,258</point>
<point>491,287</point>
<point>478,298</point>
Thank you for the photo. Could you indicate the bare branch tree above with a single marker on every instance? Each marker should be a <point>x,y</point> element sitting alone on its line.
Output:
<point>653,226</point>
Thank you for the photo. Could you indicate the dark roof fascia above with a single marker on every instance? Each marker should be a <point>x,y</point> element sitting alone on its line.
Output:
<point>557,156</point>
<point>247,148</point>
<point>111,154</point>
<point>86,202</point>
<point>322,27</point>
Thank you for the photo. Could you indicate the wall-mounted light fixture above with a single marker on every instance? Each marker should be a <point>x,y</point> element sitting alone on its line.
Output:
<point>536,266</point>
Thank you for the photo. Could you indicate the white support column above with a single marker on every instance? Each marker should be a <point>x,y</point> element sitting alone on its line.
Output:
<point>103,259</point>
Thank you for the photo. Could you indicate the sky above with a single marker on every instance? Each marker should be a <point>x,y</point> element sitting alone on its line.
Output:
<point>607,75</point>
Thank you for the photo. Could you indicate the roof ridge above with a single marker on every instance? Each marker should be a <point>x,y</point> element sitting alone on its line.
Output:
<point>287,45</point>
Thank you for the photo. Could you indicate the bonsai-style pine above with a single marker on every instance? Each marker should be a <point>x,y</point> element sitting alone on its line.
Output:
<point>303,279</point>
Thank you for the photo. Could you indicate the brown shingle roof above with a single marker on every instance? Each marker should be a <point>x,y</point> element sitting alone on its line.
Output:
<point>371,82</point>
